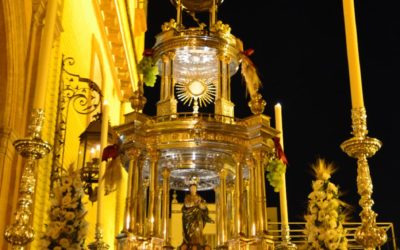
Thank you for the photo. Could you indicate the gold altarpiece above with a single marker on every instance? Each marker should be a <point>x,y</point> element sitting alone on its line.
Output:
<point>195,67</point>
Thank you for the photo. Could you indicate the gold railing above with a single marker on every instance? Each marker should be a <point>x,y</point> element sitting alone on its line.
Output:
<point>298,237</point>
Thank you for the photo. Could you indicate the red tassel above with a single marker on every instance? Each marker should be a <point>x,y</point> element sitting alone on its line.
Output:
<point>248,52</point>
<point>279,151</point>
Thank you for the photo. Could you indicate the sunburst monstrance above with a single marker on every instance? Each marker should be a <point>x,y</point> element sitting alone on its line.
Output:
<point>197,91</point>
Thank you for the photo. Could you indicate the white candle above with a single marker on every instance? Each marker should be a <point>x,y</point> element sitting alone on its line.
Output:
<point>357,99</point>
<point>102,166</point>
<point>282,192</point>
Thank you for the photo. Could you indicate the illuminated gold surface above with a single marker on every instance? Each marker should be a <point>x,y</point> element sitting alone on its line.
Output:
<point>257,105</point>
<point>369,235</point>
<point>137,101</point>
<point>21,232</point>
<point>98,244</point>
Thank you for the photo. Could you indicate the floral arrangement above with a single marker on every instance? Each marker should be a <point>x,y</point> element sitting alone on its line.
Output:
<point>67,228</point>
<point>148,68</point>
<point>325,213</point>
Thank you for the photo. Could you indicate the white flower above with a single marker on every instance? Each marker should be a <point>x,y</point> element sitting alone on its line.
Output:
<point>67,228</point>
<point>66,200</point>
<point>66,181</point>
<point>44,244</point>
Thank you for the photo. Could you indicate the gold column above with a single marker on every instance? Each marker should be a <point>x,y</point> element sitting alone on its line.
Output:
<point>246,204</point>
<point>128,202</point>
<point>159,209</point>
<point>218,214</point>
<point>167,104</point>
<point>142,227</point>
<point>224,78</point>
<point>171,56</point>
<point>230,209</point>
<point>222,235</point>
<point>213,13</point>
<point>152,211</point>
<point>251,200</point>
<point>133,191</point>
<point>165,232</point>
<point>165,78</point>
<point>261,216</point>
<point>238,196</point>
<point>178,13</point>
<point>20,233</point>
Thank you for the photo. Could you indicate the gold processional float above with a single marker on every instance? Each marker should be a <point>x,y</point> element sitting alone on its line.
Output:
<point>174,148</point>
<point>196,151</point>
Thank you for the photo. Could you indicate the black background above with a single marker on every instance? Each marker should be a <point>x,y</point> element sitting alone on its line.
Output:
<point>300,54</point>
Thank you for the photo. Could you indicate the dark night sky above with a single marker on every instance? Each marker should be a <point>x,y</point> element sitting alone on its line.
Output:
<point>300,53</point>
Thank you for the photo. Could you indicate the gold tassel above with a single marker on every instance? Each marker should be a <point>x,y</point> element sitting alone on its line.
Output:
<point>113,175</point>
<point>249,72</point>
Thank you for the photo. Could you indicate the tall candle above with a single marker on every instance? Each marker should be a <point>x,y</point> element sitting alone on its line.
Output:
<point>103,144</point>
<point>282,192</point>
<point>357,99</point>
<point>45,55</point>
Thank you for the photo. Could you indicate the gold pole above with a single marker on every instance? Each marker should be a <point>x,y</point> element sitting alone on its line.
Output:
<point>20,233</point>
<point>369,235</point>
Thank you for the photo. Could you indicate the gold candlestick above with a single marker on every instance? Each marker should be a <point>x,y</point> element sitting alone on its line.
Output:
<point>360,146</point>
<point>34,148</point>
<point>369,235</point>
